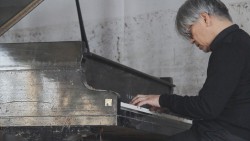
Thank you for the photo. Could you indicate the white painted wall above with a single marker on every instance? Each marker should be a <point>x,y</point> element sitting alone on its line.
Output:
<point>137,33</point>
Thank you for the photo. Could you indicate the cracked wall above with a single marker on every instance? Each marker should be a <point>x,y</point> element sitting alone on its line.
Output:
<point>136,33</point>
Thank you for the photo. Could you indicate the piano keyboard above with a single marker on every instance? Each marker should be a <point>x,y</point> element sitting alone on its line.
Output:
<point>126,106</point>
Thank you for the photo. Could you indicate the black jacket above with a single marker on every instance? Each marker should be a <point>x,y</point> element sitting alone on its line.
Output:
<point>225,96</point>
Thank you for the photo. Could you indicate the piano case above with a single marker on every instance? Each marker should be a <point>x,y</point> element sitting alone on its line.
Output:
<point>59,91</point>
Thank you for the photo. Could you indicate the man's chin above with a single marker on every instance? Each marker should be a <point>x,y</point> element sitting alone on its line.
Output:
<point>206,50</point>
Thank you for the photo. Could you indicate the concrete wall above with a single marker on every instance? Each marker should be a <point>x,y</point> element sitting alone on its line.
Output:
<point>136,33</point>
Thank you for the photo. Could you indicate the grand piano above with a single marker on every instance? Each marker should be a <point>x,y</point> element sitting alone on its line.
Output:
<point>60,91</point>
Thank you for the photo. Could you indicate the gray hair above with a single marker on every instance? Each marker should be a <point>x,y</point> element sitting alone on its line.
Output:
<point>190,12</point>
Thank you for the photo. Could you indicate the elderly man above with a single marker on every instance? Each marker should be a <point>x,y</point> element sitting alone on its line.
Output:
<point>221,110</point>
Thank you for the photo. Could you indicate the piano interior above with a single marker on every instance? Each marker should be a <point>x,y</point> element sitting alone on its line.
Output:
<point>59,91</point>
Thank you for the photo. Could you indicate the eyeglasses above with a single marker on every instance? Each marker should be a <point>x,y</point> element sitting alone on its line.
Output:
<point>188,32</point>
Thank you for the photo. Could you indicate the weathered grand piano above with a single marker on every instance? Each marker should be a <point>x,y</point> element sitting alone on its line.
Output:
<point>60,91</point>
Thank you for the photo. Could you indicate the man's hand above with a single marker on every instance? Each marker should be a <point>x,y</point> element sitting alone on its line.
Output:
<point>140,100</point>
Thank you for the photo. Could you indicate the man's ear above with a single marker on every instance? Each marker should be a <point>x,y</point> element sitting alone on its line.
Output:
<point>206,18</point>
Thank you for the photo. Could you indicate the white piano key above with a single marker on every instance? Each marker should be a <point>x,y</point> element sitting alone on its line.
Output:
<point>125,106</point>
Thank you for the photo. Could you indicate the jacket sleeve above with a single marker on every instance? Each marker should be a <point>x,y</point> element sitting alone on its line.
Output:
<point>225,68</point>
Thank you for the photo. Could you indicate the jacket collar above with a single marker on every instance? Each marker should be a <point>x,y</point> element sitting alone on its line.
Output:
<point>222,35</point>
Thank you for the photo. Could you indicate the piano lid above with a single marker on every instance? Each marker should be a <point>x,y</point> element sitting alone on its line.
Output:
<point>12,11</point>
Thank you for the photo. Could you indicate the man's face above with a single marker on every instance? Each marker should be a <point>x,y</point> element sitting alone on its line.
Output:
<point>200,35</point>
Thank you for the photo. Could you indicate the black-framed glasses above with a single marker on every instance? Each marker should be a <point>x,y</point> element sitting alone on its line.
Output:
<point>188,32</point>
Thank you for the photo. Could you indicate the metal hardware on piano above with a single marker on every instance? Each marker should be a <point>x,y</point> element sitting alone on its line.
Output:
<point>58,91</point>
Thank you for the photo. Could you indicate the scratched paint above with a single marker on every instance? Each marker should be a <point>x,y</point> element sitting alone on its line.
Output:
<point>241,10</point>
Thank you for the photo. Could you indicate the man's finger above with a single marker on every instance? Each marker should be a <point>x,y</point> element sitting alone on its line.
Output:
<point>141,103</point>
<point>135,99</point>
